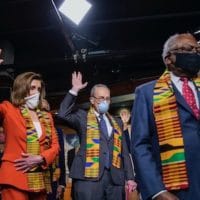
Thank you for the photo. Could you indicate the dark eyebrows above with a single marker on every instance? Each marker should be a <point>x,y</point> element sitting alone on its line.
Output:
<point>34,87</point>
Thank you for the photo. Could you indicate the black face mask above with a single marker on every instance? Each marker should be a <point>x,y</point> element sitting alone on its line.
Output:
<point>189,62</point>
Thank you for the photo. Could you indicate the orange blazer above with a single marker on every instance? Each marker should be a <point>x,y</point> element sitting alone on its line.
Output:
<point>15,143</point>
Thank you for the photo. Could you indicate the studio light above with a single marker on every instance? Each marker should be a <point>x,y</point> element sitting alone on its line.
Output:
<point>75,9</point>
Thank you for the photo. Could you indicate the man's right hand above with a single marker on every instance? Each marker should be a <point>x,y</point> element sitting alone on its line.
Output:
<point>166,196</point>
<point>77,83</point>
<point>1,60</point>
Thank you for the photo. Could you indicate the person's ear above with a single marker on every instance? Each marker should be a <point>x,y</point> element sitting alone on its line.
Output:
<point>92,100</point>
<point>168,60</point>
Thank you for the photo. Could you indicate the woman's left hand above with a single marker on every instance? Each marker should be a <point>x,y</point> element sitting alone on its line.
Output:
<point>28,162</point>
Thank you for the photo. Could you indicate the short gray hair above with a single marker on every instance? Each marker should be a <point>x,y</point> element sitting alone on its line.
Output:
<point>97,86</point>
<point>171,42</point>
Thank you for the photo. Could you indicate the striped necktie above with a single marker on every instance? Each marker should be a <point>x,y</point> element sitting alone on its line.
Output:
<point>103,126</point>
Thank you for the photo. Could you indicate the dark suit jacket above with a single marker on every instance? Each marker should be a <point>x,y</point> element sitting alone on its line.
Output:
<point>62,178</point>
<point>145,147</point>
<point>127,137</point>
<point>61,165</point>
<point>77,118</point>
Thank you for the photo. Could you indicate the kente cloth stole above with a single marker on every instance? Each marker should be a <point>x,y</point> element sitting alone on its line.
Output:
<point>38,179</point>
<point>170,137</point>
<point>93,145</point>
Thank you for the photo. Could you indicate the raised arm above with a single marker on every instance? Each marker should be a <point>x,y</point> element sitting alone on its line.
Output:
<point>77,82</point>
<point>67,105</point>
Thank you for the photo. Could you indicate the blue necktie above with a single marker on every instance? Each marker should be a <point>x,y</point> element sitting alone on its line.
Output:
<point>104,130</point>
<point>102,125</point>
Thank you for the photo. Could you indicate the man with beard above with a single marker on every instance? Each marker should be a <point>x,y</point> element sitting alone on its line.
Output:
<point>166,136</point>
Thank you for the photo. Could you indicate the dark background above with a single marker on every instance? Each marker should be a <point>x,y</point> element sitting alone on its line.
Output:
<point>121,41</point>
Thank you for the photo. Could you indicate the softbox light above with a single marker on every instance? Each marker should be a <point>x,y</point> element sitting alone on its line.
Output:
<point>75,9</point>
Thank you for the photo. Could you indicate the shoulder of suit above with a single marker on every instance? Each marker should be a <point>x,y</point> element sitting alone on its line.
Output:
<point>147,86</point>
<point>8,104</point>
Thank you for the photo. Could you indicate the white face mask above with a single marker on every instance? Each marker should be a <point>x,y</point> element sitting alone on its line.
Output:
<point>32,101</point>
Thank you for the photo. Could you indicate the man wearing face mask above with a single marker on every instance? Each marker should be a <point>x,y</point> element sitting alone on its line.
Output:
<point>31,143</point>
<point>166,125</point>
<point>102,168</point>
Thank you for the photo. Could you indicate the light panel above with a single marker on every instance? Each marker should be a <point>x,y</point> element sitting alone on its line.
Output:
<point>75,9</point>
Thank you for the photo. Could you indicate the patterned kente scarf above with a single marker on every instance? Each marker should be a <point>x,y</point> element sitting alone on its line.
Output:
<point>93,142</point>
<point>38,179</point>
<point>170,134</point>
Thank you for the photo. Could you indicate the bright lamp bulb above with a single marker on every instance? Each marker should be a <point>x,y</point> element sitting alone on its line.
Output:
<point>75,9</point>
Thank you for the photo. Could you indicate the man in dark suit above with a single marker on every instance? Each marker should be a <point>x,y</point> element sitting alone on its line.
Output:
<point>58,171</point>
<point>166,126</point>
<point>102,165</point>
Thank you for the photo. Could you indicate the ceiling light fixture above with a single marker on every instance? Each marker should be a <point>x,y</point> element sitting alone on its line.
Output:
<point>75,10</point>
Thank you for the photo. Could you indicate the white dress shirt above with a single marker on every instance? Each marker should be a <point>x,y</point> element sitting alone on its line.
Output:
<point>108,125</point>
<point>179,85</point>
<point>38,128</point>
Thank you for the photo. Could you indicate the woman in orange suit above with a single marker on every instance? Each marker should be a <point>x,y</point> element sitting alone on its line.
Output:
<point>31,143</point>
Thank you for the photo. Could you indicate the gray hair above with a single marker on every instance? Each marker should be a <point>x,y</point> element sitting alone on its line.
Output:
<point>171,42</point>
<point>97,86</point>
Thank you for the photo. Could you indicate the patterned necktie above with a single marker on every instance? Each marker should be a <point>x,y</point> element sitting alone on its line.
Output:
<point>188,94</point>
<point>104,130</point>
<point>102,125</point>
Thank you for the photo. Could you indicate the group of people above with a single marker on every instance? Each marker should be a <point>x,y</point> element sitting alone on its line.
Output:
<point>165,136</point>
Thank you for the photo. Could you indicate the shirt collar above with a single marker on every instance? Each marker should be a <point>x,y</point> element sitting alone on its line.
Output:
<point>175,79</point>
<point>98,115</point>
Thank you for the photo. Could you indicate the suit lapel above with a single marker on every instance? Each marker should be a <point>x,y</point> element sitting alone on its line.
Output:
<point>198,94</point>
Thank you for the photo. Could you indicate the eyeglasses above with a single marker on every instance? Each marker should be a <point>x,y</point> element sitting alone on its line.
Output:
<point>186,49</point>
<point>100,99</point>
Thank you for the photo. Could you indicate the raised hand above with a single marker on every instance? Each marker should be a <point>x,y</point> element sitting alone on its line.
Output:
<point>77,83</point>
<point>125,117</point>
<point>1,60</point>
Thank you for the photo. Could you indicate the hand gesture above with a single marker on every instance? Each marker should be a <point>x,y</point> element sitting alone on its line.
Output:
<point>28,162</point>
<point>77,83</point>
<point>1,60</point>
<point>125,117</point>
<point>130,186</point>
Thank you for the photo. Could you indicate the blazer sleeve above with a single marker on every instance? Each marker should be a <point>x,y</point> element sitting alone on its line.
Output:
<point>3,107</point>
<point>50,154</point>
<point>69,112</point>
<point>127,164</point>
<point>127,137</point>
<point>145,148</point>
<point>62,178</point>
<point>128,168</point>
